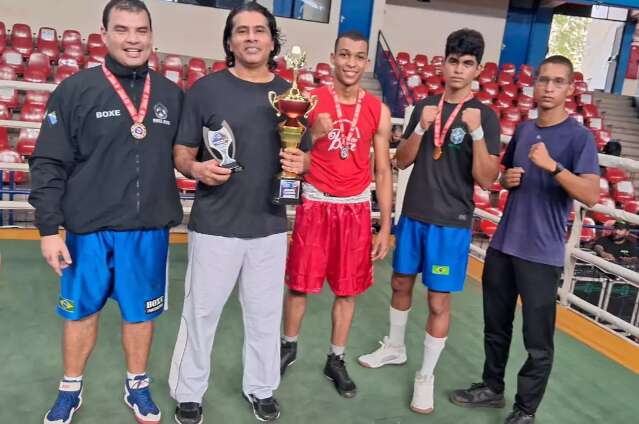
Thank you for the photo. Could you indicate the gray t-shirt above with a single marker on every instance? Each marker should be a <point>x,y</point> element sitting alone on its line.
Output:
<point>533,226</point>
<point>440,191</point>
<point>242,206</point>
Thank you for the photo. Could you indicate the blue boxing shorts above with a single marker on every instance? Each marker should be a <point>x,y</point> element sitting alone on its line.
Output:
<point>128,266</point>
<point>439,253</point>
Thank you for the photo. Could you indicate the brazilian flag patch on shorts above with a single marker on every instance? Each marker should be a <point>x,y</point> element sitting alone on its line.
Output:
<point>66,304</point>
<point>441,270</point>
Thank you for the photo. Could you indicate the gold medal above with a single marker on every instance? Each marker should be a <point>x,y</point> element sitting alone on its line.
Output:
<point>138,131</point>
<point>437,153</point>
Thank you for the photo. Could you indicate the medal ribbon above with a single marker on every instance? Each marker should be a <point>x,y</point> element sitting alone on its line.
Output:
<point>137,116</point>
<point>439,136</point>
<point>340,116</point>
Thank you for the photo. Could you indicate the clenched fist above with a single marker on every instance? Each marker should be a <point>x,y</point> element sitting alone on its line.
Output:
<point>512,177</point>
<point>539,156</point>
<point>429,114</point>
<point>322,126</point>
<point>472,118</point>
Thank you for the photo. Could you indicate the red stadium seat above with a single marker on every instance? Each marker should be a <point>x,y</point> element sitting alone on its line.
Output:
<point>511,114</point>
<point>495,109</point>
<point>22,39</point>
<point>525,81</point>
<point>220,65</point>
<point>588,233</point>
<point>578,76</point>
<point>154,62</point>
<point>186,185</point>
<point>488,227</point>
<point>39,97</point>
<point>600,217</point>
<point>193,76</point>
<point>63,72</point>
<point>4,113</point>
<point>93,61</point>
<point>27,141</point>
<point>503,101</point>
<point>511,90</point>
<point>525,103</point>
<point>34,75</point>
<point>570,107</point>
<point>4,137</point>
<point>507,130</point>
<point>439,90</point>
<point>590,111</point>
<point>509,68</point>
<point>71,37</point>
<point>615,175</point>
<point>306,77</point>
<point>484,98</point>
<point>505,78</point>
<point>11,156</point>
<point>173,62</point>
<point>322,70</point>
<point>68,62</point>
<point>402,58</point>
<point>326,80</point>
<point>623,192</point>
<point>47,43</point>
<point>39,62</point>
<point>481,198</point>
<point>526,70</point>
<point>485,77</point>
<point>433,83</point>
<point>95,46</point>
<point>580,87</point>
<point>409,69</point>
<point>13,59</point>
<point>420,92</point>
<point>32,112</point>
<point>287,74</point>
<point>503,198</point>
<point>428,71</point>
<point>73,51</point>
<point>584,99</point>
<point>8,96</point>
<point>437,60</point>
<point>421,60</point>
<point>631,206</point>
<point>197,64</point>
<point>491,88</point>
<point>492,67</point>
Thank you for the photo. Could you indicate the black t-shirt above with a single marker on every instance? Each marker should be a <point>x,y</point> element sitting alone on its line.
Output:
<point>626,249</point>
<point>242,206</point>
<point>440,191</point>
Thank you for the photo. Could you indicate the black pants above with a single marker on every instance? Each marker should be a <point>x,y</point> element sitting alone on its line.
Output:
<point>504,278</point>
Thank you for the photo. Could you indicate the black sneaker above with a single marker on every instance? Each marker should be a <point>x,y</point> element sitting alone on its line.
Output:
<point>519,417</point>
<point>478,395</point>
<point>288,354</point>
<point>188,413</point>
<point>264,409</point>
<point>335,370</point>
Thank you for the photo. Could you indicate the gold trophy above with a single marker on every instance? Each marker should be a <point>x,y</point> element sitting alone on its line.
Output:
<point>287,186</point>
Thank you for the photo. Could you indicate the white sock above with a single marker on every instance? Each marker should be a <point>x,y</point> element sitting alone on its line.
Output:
<point>397,331</point>
<point>433,347</point>
<point>338,350</point>
<point>290,339</point>
<point>78,378</point>
<point>131,376</point>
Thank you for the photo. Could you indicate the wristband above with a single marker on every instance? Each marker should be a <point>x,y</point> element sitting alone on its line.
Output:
<point>477,134</point>
<point>419,130</point>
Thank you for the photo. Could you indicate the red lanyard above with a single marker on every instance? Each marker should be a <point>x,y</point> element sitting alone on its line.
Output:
<point>346,145</point>
<point>138,130</point>
<point>439,136</point>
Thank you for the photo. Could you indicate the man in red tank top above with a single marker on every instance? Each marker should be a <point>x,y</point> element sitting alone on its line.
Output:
<point>332,238</point>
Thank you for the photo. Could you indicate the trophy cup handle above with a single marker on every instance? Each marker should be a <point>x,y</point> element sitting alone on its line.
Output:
<point>272,98</point>
<point>313,101</point>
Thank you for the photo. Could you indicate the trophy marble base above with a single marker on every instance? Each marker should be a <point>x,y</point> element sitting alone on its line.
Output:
<point>287,191</point>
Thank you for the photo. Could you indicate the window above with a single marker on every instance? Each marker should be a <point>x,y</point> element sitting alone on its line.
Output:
<point>307,10</point>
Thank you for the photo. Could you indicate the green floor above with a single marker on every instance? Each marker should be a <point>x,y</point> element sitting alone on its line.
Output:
<point>585,387</point>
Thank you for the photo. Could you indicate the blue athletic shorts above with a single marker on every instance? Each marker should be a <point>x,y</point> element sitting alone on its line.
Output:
<point>439,253</point>
<point>128,266</point>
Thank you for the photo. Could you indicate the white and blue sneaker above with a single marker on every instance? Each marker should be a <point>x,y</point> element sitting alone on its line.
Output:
<point>138,397</point>
<point>68,402</point>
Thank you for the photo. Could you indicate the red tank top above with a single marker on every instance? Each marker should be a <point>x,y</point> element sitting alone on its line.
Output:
<point>328,172</point>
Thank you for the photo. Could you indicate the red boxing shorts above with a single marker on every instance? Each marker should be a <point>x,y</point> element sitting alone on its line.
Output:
<point>331,241</point>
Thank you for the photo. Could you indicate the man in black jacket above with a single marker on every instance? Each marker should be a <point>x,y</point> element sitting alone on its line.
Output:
<point>103,169</point>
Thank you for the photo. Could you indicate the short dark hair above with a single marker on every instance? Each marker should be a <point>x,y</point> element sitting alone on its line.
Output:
<point>272,26</point>
<point>465,41</point>
<point>128,5</point>
<point>559,60</point>
<point>351,35</point>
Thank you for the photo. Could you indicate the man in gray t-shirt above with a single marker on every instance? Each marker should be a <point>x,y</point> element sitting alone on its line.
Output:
<point>235,233</point>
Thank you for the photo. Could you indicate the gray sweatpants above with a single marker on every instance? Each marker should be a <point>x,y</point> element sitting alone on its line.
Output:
<point>215,265</point>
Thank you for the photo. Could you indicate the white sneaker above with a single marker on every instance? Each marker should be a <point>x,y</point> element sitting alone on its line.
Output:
<point>423,402</point>
<point>387,354</point>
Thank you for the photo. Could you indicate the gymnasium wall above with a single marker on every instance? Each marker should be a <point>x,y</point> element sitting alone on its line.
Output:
<point>178,28</point>
<point>423,27</point>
